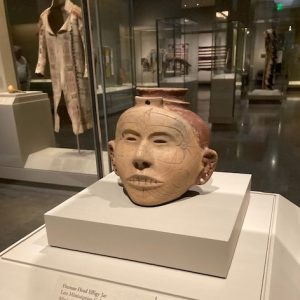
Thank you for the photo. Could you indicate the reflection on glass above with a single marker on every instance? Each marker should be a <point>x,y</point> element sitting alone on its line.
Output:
<point>145,56</point>
<point>228,47</point>
<point>111,41</point>
<point>177,56</point>
<point>226,77</point>
<point>177,47</point>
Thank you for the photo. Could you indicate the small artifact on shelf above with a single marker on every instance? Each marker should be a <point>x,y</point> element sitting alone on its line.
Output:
<point>11,89</point>
<point>160,150</point>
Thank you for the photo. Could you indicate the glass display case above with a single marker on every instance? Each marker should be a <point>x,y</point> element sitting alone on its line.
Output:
<point>227,68</point>
<point>49,127</point>
<point>268,73</point>
<point>177,56</point>
<point>70,100</point>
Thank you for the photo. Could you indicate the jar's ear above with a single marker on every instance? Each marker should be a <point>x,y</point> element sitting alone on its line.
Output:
<point>209,162</point>
<point>111,151</point>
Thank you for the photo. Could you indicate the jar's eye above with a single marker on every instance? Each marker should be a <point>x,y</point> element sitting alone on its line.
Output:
<point>130,138</point>
<point>160,141</point>
<point>130,135</point>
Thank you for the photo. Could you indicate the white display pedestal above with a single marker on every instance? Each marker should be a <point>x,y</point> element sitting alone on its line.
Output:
<point>265,266</point>
<point>197,233</point>
<point>25,126</point>
<point>222,99</point>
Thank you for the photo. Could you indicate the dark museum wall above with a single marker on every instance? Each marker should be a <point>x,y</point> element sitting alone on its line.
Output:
<point>146,12</point>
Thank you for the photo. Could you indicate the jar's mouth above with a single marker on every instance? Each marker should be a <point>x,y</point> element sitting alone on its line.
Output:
<point>175,102</point>
<point>159,101</point>
<point>164,92</point>
<point>161,89</point>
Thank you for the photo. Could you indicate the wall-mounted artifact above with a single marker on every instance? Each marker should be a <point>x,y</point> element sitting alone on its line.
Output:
<point>161,150</point>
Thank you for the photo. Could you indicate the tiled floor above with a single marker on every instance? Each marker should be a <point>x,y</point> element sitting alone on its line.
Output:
<point>264,143</point>
<point>22,206</point>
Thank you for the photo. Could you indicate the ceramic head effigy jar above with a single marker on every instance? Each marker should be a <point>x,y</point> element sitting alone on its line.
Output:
<point>160,150</point>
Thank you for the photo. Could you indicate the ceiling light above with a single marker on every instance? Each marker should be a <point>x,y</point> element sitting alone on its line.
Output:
<point>222,14</point>
<point>225,13</point>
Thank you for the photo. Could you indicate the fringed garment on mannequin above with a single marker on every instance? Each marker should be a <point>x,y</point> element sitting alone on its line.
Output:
<point>61,36</point>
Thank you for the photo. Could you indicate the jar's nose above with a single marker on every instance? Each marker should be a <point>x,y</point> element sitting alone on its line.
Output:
<point>142,157</point>
<point>141,164</point>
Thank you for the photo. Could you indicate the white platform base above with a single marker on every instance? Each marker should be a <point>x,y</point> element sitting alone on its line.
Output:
<point>51,177</point>
<point>197,233</point>
<point>260,94</point>
<point>58,166</point>
<point>63,159</point>
<point>32,270</point>
<point>67,160</point>
<point>265,266</point>
<point>25,126</point>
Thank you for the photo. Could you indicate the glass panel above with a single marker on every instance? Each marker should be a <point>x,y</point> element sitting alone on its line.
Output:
<point>226,79</point>
<point>226,45</point>
<point>111,41</point>
<point>176,46</point>
<point>178,56</point>
<point>221,53</point>
<point>145,53</point>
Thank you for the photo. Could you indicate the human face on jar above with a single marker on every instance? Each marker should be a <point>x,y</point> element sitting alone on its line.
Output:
<point>156,155</point>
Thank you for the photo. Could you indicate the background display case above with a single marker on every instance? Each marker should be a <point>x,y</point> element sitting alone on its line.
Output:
<point>177,56</point>
<point>42,155</point>
<point>268,73</point>
<point>227,69</point>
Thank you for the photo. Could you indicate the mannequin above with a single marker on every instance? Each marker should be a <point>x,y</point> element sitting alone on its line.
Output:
<point>56,16</point>
<point>61,41</point>
<point>56,3</point>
